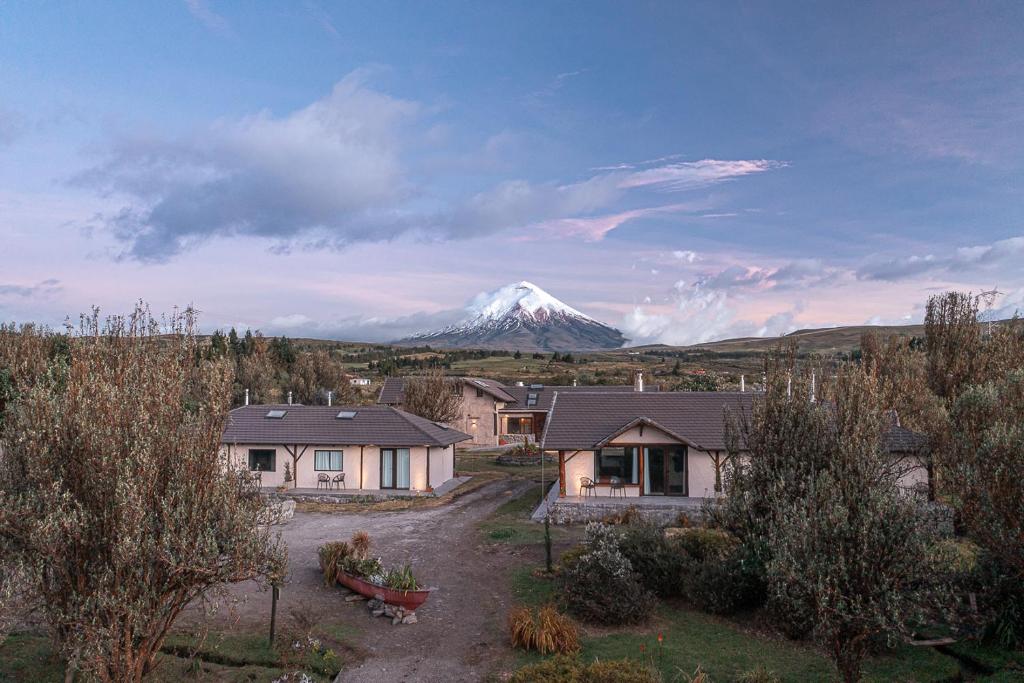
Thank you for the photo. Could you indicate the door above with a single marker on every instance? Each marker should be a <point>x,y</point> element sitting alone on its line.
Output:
<point>654,471</point>
<point>394,468</point>
<point>675,477</point>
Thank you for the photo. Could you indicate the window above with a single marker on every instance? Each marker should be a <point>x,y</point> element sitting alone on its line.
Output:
<point>519,425</point>
<point>479,392</point>
<point>262,460</point>
<point>616,462</point>
<point>394,468</point>
<point>276,414</point>
<point>346,415</point>
<point>457,388</point>
<point>531,400</point>
<point>330,461</point>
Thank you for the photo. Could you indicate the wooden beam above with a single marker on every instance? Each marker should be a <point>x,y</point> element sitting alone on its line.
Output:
<point>640,468</point>
<point>561,473</point>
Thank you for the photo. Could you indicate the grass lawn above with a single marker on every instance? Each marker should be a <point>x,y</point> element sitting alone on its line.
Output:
<point>484,461</point>
<point>511,522</point>
<point>228,658</point>
<point>725,648</point>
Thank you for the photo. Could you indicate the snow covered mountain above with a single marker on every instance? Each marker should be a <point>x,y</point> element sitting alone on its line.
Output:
<point>523,316</point>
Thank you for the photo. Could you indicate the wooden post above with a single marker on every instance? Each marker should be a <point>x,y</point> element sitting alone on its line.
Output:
<point>275,592</point>
<point>640,469</point>
<point>561,474</point>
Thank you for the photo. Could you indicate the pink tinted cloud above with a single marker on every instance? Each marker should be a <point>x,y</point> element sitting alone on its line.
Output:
<point>595,228</point>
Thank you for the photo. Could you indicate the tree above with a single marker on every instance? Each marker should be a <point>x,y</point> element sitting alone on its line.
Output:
<point>851,548</point>
<point>282,350</point>
<point>433,396</point>
<point>114,499</point>
<point>313,374</point>
<point>518,354</point>
<point>952,343</point>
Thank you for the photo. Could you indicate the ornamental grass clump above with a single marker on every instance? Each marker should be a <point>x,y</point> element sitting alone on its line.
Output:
<point>332,559</point>
<point>566,669</point>
<point>545,631</point>
<point>601,587</point>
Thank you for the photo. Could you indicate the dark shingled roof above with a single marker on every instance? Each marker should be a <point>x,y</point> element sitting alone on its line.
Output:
<point>376,425</point>
<point>547,394</point>
<point>391,392</point>
<point>581,420</point>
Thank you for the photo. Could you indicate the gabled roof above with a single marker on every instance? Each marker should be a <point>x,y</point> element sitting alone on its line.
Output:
<point>545,394</point>
<point>640,423</point>
<point>584,420</point>
<point>392,392</point>
<point>368,425</point>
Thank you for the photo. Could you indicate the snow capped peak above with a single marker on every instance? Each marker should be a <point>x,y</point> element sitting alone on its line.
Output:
<point>517,299</point>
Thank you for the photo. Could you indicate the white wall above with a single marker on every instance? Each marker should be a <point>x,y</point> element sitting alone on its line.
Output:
<point>651,435</point>
<point>701,470</point>
<point>442,465</point>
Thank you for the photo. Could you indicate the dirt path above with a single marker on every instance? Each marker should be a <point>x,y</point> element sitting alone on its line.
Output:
<point>461,631</point>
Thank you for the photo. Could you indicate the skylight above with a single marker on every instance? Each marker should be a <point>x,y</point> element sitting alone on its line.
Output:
<point>276,414</point>
<point>531,400</point>
<point>536,386</point>
<point>346,415</point>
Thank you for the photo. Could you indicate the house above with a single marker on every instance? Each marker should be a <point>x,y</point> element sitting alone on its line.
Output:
<point>494,413</point>
<point>670,444</point>
<point>374,447</point>
<point>359,382</point>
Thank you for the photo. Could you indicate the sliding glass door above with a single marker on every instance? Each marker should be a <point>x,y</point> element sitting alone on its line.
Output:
<point>665,471</point>
<point>394,468</point>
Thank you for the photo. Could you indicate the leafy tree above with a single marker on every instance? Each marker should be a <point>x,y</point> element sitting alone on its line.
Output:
<point>282,351</point>
<point>433,396</point>
<point>114,500</point>
<point>313,374</point>
<point>953,343</point>
<point>849,550</point>
<point>234,343</point>
<point>517,355</point>
<point>677,368</point>
<point>256,372</point>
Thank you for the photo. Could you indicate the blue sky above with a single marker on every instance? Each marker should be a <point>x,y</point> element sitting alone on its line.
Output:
<point>683,171</point>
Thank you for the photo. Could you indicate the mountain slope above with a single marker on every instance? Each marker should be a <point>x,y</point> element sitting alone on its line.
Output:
<point>523,316</point>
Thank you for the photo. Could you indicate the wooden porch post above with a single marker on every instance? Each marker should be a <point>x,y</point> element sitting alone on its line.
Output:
<point>640,469</point>
<point>561,473</point>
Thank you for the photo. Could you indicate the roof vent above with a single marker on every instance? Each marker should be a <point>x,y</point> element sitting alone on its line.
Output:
<point>346,415</point>
<point>276,414</point>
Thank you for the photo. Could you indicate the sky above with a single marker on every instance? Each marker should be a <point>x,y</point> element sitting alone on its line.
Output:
<point>681,171</point>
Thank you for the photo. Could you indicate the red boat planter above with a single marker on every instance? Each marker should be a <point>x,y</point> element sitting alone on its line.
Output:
<point>408,600</point>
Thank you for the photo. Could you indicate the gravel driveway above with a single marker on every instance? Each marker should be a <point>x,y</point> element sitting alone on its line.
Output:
<point>461,632</point>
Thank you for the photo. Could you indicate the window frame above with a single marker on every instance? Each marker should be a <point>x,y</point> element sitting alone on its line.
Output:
<point>628,473</point>
<point>329,452</point>
<point>256,452</point>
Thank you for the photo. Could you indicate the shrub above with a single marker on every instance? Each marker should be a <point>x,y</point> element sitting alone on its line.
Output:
<point>571,556</point>
<point>332,557</point>
<point>758,675</point>
<point>562,669</point>
<point>701,543</point>
<point>723,585</point>
<point>602,586</point>
<point>659,562</point>
<point>546,632</point>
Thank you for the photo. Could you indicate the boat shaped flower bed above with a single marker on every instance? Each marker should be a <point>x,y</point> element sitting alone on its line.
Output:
<point>409,600</point>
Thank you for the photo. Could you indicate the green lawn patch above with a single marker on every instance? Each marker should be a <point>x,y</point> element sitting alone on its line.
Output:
<point>511,522</point>
<point>226,657</point>
<point>1001,664</point>
<point>724,648</point>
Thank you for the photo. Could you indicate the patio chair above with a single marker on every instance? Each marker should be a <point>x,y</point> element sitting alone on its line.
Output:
<point>339,481</point>
<point>323,480</point>
<point>587,486</point>
<point>617,485</point>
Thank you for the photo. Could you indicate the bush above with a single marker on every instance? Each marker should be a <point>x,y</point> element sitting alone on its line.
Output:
<point>701,543</point>
<point>725,585</point>
<point>572,556</point>
<point>602,586</point>
<point>659,562</point>
<point>563,669</point>
<point>546,632</point>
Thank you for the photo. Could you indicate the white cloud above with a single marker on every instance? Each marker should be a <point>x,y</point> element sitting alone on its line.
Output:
<point>200,9</point>
<point>963,259</point>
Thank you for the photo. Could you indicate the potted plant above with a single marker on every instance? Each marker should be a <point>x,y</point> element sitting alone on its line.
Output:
<point>287,477</point>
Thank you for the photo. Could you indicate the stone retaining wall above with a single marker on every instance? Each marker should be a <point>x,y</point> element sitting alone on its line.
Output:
<point>581,513</point>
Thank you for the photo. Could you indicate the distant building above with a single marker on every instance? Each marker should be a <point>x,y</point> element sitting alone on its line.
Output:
<point>359,382</point>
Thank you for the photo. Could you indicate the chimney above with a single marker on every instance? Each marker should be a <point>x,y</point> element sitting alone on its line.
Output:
<point>289,398</point>
<point>574,381</point>
<point>520,384</point>
<point>246,397</point>
<point>743,383</point>
<point>330,398</point>
<point>638,380</point>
